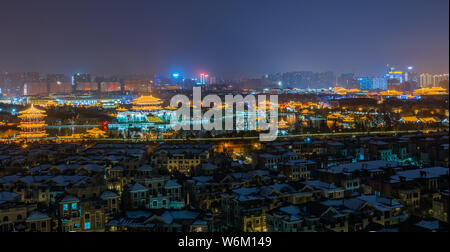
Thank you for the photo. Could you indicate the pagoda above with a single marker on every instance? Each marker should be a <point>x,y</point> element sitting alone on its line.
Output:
<point>146,104</point>
<point>32,125</point>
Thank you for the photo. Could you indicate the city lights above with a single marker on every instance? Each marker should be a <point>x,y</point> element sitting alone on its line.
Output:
<point>224,119</point>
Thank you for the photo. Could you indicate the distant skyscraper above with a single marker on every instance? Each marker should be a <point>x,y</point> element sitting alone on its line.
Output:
<point>106,87</point>
<point>394,79</point>
<point>77,78</point>
<point>437,78</point>
<point>204,79</point>
<point>60,87</point>
<point>138,86</point>
<point>380,83</point>
<point>159,79</point>
<point>348,80</point>
<point>30,77</point>
<point>365,83</point>
<point>56,78</point>
<point>426,80</point>
<point>395,76</point>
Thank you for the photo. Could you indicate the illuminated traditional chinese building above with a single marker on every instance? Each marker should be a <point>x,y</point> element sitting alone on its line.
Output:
<point>431,91</point>
<point>32,123</point>
<point>146,104</point>
<point>125,116</point>
<point>391,93</point>
<point>146,113</point>
<point>95,133</point>
<point>283,124</point>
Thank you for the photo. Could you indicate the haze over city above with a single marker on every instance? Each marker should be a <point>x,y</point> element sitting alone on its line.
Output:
<point>237,38</point>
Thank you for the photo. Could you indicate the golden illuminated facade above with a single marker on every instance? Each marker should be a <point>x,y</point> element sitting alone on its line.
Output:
<point>32,123</point>
<point>391,93</point>
<point>146,104</point>
<point>431,91</point>
<point>344,91</point>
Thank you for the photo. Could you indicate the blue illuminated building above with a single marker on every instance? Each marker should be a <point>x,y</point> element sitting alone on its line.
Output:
<point>365,83</point>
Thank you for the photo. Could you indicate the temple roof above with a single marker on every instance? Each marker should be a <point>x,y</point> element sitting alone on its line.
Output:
<point>32,110</point>
<point>391,92</point>
<point>147,100</point>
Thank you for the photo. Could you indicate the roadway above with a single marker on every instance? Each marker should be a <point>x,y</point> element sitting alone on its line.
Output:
<point>288,137</point>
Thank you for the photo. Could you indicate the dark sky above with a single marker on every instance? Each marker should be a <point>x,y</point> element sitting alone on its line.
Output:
<point>223,37</point>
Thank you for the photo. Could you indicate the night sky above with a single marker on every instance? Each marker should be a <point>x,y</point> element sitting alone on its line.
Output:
<point>227,38</point>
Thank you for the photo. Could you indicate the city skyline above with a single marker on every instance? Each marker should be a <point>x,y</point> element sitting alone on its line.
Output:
<point>191,37</point>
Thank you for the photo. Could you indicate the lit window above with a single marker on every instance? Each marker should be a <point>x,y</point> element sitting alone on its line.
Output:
<point>66,207</point>
<point>74,206</point>
<point>87,225</point>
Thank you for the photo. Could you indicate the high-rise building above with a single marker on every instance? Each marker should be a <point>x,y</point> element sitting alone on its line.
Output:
<point>53,78</point>
<point>411,76</point>
<point>426,80</point>
<point>437,78</point>
<point>87,86</point>
<point>301,79</point>
<point>380,83</point>
<point>204,79</point>
<point>138,86</point>
<point>12,84</point>
<point>81,78</point>
<point>60,87</point>
<point>30,77</point>
<point>35,88</point>
<point>106,87</point>
<point>365,83</point>
<point>394,79</point>
<point>348,80</point>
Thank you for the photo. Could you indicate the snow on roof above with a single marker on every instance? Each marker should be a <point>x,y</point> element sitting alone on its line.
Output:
<point>34,180</point>
<point>293,210</point>
<point>124,222</point>
<point>184,215</point>
<point>354,203</point>
<point>8,196</point>
<point>333,203</point>
<point>108,194</point>
<point>36,215</point>
<point>322,185</point>
<point>209,166</point>
<point>203,179</point>
<point>368,165</point>
<point>9,179</point>
<point>137,214</point>
<point>246,190</point>
<point>70,198</point>
<point>41,168</point>
<point>166,217</point>
<point>117,168</point>
<point>94,167</point>
<point>172,183</point>
<point>409,175</point>
<point>66,180</point>
<point>145,168</point>
<point>136,187</point>
<point>431,225</point>
<point>65,167</point>
<point>380,203</point>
